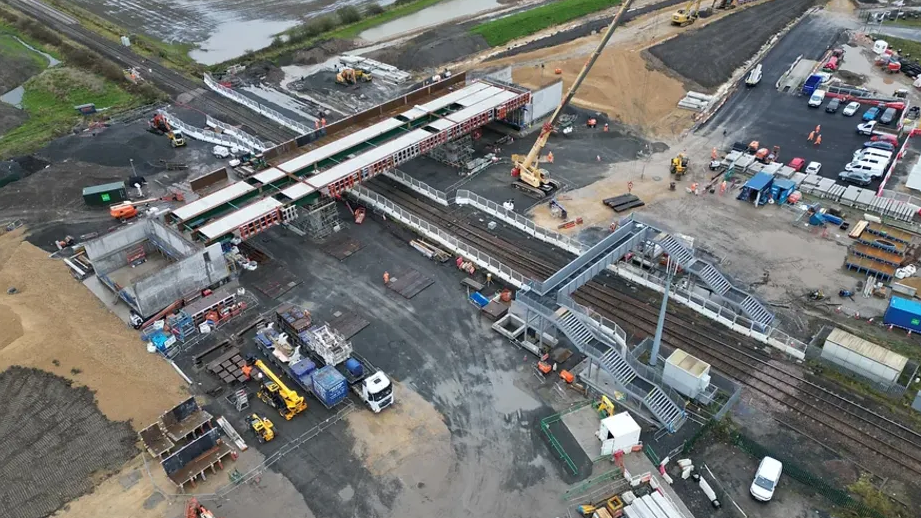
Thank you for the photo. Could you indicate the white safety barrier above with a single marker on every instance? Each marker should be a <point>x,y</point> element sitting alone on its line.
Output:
<point>227,129</point>
<point>376,201</point>
<point>772,336</point>
<point>465,197</point>
<point>422,188</point>
<point>221,139</point>
<point>287,122</point>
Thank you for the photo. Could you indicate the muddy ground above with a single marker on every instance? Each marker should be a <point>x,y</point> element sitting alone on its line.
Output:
<point>709,55</point>
<point>53,437</point>
<point>434,48</point>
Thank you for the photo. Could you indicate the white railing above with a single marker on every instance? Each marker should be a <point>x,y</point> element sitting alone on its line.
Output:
<point>221,139</point>
<point>434,233</point>
<point>227,129</point>
<point>465,197</point>
<point>771,336</point>
<point>421,187</point>
<point>287,122</point>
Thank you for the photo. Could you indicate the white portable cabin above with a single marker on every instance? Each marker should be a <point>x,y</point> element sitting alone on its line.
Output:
<point>618,433</point>
<point>686,374</point>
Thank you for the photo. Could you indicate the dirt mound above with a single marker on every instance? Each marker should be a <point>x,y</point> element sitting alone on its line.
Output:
<point>10,326</point>
<point>55,442</point>
<point>67,331</point>
<point>433,49</point>
<point>11,118</point>
<point>320,52</point>
<point>15,71</point>
<point>709,55</point>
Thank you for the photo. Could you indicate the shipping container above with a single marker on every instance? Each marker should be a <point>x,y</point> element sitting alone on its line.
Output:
<point>329,386</point>
<point>105,194</point>
<point>903,313</point>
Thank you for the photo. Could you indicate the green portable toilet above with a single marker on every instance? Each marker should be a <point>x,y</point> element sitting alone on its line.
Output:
<point>105,194</point>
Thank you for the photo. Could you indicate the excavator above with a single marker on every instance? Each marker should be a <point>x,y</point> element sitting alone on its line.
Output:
<point>159,125</point>
<point>531,179</point>
<point>679,165</point>
<point>687,14</point>
<point>276,394</point>
<point>264,429</point>
<point>350,76</point>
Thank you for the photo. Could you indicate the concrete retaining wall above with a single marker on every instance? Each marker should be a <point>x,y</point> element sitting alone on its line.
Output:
<point>192,274</point>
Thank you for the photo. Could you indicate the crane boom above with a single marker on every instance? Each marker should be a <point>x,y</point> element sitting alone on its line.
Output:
<point>531,161</point>
<point>282,388</point>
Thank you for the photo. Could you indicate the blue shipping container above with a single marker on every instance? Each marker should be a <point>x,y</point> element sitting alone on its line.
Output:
<point>330,386</point>
<point>903,313</point>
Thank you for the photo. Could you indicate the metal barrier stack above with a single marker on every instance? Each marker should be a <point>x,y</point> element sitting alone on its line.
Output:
<point>221,139</point>
<point>227,129</point>
<point>287,122</point>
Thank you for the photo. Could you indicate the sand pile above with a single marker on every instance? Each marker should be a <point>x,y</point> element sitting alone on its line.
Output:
<point>55,324</point>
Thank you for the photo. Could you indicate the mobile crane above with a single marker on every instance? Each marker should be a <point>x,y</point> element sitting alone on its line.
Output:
<point>276,394</point>
<point>533,180</point>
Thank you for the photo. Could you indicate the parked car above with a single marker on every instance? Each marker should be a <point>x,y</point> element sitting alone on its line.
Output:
<point>860,178</point>
<point>888,116</point>
<point>885,137</point>
<point>817,98</point>
<point>832,105</point>
<point>797,164</point>
<point>813,168</point>
<point>851,109</point>
<point>866,128</point>
<point>766,479</point>
<point>879,144</point>
<point>871,114</point>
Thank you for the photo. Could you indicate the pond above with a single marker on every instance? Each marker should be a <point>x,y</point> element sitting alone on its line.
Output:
<point>14,96</point>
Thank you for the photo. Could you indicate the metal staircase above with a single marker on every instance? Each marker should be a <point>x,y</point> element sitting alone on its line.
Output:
<point>665,410</point>
<point>715,280</point>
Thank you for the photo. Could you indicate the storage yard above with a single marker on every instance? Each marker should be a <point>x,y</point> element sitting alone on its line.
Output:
<point>571,277</point>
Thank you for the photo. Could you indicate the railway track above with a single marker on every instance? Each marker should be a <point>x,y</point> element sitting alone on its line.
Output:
<point>862,428</point>
<point>167,79</point>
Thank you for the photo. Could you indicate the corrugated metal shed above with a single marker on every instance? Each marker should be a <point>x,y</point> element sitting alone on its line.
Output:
<point>863,357</point>
<point>106,187</point>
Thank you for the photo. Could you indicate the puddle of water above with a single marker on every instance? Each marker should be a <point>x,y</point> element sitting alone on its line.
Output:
<point>857,62</point>
<point>233,39</point>
<point>508,398</point>
<point>51,61</point>
<point>14,97</point>
<point>436,14</point>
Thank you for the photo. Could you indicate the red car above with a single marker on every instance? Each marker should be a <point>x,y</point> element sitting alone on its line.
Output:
<point>797,164</point>
<point>885,138</point>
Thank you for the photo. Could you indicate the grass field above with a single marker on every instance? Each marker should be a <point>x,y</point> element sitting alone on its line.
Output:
<point>49,100</point>
<point>503,30</point>
<point>10,48</point>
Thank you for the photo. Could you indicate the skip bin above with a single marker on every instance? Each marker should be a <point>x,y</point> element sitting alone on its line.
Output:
<point>903,313</point>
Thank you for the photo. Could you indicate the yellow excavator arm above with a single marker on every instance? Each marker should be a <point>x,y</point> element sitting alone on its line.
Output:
<point>530,161</point>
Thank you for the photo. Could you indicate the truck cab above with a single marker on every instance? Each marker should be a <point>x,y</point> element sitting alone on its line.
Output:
<point>376,391</point>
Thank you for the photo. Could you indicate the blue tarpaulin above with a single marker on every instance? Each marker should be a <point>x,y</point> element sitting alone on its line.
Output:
<point>479,300</point>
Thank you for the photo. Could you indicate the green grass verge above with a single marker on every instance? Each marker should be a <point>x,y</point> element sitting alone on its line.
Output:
<point>399,11</point>
<point>49,100</point>
<point>13,50</point>
<point>503,30</point>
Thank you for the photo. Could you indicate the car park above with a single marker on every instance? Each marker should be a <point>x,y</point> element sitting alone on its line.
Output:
<point>871,114</point>
<point>832,105</point>
<point>879,144</point>
<point>813,168</point>
<point>888,116</point>
<point>866,128</point>
<point>851,109</point>
<point>860,178</point>
<point>766,479</point>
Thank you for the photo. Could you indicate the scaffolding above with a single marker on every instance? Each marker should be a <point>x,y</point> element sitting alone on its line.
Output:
<point>318,220</point>
<point>456,153</point>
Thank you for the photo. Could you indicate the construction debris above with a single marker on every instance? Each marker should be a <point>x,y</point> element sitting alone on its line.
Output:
<point>624,202</point>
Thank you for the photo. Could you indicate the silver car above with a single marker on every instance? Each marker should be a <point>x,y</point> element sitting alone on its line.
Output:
<point>851,109</point>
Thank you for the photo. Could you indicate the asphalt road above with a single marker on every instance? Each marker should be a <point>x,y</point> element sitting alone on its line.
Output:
<point>783,119</point>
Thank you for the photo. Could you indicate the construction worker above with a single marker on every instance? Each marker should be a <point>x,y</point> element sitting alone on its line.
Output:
<point>723,187</point>
<point>592,123</point>
<point>597,158</point>
<point>713,154</point>
<point>811,136</point>
<point>550,157</point>
<point>818,129</point>
<point>818,140</point>
<point>316,125</point>
<point>386,277</point>
<point>605,127</point>
<point>247,371</point>
<point>322,122</point>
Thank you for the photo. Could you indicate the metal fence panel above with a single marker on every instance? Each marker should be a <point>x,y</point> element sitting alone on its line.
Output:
<point>287,122</point>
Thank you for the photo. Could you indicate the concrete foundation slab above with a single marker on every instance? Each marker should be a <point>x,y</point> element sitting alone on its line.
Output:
<point>126,275</point>
<point>583,425</point>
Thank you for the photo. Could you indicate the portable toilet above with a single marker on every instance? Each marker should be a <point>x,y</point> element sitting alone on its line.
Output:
<point>880,46</point>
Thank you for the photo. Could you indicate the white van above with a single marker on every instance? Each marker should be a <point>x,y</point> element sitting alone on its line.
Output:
<point>873,169</point>
<point>754,77</point>
<point>870,152</point>
<point>817,98</point>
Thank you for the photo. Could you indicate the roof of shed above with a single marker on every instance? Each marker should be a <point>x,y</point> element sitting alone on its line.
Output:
<point>867,349</point>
